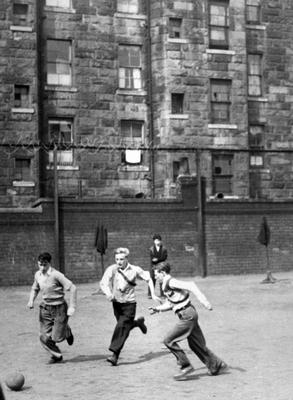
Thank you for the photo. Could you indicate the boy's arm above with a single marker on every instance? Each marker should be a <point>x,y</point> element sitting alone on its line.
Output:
<point>191,287</point>
<point>145,275</point>
<point>33,294</point>
<point>166,306</point>
<point>72,300</point>
<point>105,284</point>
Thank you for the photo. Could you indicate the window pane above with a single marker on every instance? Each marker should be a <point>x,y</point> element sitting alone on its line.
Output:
<point>129,6</point>
<point>218,15</point>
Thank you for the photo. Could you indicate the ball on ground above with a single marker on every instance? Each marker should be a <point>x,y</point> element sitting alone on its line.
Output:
<point>14,381</point>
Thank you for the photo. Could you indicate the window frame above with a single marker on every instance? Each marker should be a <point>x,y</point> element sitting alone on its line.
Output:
<point>217,177</point>
<point>218,44</point>
<point>124,6</point>
<point>58,5</point>
<point>177,107</point>
<point>24,101</point>
<point>22,174</point>
<point>173,29</point>
<point>251,6</point>
<point>255,79</point>
<point>20,19</point>
<point>51,77</point>
<point>213,102</point>
<point>127,71</point>
<point>61,153</point>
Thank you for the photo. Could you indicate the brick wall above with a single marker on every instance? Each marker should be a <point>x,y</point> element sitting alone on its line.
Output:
<point>231,236</point>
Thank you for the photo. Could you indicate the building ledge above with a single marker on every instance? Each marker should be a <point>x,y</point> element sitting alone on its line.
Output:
<point>130,16</point>
<point>57,88</point>
<point>177,40</point>
<point>19,28</point>
<point>60,9</point>
<point>257,27</point>
<point>259,99</point>
<point>20,110</point>
<point>178,116</point>
<point>64,167</point>
<point>134,92</point>
<point>222,126</point>
<point>220,51</point>
<point>23,184</point>
<point>130,168</point>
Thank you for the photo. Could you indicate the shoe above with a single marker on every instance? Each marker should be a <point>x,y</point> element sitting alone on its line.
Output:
<point>50,346</point>
<point>183,373</point>
<point>221,368</point>
<point>113,359</point>
<point>140,323</point>
<point>70,339</point>
<point>54,360</point>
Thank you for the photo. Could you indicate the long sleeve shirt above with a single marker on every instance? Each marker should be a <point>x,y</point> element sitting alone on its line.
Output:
<point>52,285</point>
<point>121,285</point>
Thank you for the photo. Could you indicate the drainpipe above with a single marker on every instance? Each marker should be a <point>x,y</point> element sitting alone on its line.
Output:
<point>56,212</point>
<point>200,219</point>
<point>150,97</point>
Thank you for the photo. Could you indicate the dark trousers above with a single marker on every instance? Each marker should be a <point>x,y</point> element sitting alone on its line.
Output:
<point>188,328</point>
<point>124,314</point>
<point>152,274</point>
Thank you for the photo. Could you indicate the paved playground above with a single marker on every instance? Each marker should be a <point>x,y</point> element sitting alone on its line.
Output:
<point>251,328</point>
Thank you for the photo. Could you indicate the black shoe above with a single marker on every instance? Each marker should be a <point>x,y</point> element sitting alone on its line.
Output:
<point>140,323</point>
<point>50,346</point>
<point>113,359</point>
<point>222,367</point>
<point>54,360</point>
<point>70,339</point>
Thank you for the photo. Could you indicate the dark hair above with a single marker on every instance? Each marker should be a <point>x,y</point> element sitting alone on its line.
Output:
<point>157,236</point>
<point>45,257</point>
<point>163,267</point>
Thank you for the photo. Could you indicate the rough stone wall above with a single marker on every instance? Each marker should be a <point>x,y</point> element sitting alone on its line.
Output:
<point>18,125</point>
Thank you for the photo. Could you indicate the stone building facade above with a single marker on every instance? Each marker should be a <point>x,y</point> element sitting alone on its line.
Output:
<point>117,98</point>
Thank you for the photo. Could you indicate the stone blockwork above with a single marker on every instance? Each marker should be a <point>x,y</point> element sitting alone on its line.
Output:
<point>185,65</point>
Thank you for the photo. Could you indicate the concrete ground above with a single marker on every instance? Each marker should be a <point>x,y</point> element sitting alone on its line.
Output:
<point>250,328</point>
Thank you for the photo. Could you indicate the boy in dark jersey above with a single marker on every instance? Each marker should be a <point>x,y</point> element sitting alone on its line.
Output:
<point>178,300</point>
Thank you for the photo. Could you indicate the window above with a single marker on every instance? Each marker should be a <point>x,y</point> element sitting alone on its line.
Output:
<point>127,6</point>
<point>21,96</point>
<point>59,62</point>
<point>22,169</point>
<point>130,67</point>
<point>20,14</point>
<point>252,12</point>
<point>131,129</point>
<point>175,27</point>
<point>60,133</point>
<point>220,100</point>
<point>256,136</point>
<point>59,3</point>
<point>256,160</point>
<point>254,74</point>
<point>131,157</point>
<point>180,167</point>
<point>219,24</point>
<point>177,100</point>
<point>222,173</point>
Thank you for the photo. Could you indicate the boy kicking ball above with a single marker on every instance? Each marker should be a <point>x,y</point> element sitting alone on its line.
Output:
<point>54,312</point>
<point>178,300</point>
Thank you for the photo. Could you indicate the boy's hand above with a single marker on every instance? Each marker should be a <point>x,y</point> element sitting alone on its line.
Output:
<point>153,310</point>
<point>70,311</point>
<point>30,304</point>
<point>110,297</point>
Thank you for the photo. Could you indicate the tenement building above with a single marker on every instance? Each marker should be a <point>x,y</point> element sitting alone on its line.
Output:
<point>111,99</point>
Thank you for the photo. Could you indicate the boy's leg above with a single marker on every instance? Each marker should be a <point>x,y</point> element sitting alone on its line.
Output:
<point>197,343</point>
<point>125,314</point>
<point>180,332</point>
<point>46,318</point>
<point>61,330</point>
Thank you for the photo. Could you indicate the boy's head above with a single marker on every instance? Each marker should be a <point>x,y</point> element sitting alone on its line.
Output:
<point>157,239</point>
<point>44,262</point>
<point>121,256</point>
<point>162,269</point>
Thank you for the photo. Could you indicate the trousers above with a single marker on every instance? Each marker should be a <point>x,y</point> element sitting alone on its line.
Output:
<point>188,328</point>
<point>125,317</point>
<point>54,321</point>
